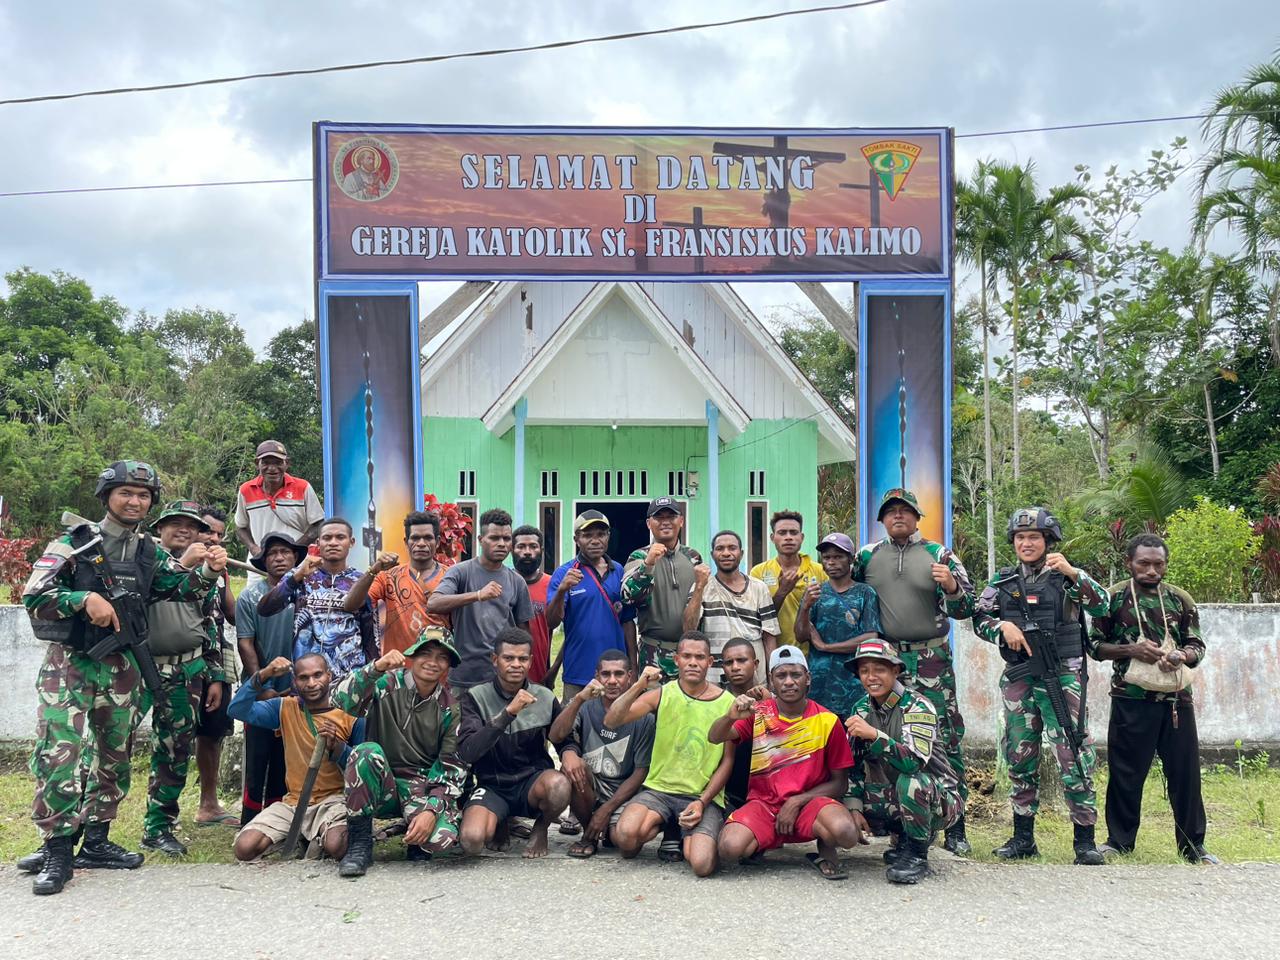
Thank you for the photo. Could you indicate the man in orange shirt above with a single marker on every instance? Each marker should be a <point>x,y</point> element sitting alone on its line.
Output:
<point>300,719</point>
<point>404,588</point>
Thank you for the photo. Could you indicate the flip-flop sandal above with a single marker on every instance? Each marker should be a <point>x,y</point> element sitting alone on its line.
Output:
<point>393,829</point>
<point>582,850</point>
<point>755,860</point>
<point>569,826</point>
<point>222,820</point>
<point>828,870</point>
<point>520,829</point>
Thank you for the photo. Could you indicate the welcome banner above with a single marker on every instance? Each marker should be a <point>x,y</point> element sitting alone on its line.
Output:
<point>436,202</point>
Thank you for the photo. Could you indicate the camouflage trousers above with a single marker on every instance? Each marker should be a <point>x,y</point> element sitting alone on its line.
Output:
<point>1028,716</point>
<point>930,672</point>
<point>85,714</point>
<point>919,801</point>
<point>174,713</point>
<point>373,789</point>
<point>652,653</point>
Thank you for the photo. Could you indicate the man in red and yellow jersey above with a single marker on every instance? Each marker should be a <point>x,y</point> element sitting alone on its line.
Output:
<point>800,761</point>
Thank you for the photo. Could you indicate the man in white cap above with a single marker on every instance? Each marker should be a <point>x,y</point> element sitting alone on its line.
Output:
<point>800,761</point>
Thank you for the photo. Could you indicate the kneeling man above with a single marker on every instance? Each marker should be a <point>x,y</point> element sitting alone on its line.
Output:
<point>409,767</point>
<point>504,738</point>
<point>800,760</point>
<point>901,776</point>
<point>300,719</point>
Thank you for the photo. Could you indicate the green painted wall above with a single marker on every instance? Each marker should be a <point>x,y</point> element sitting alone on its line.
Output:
<point>785,449</point>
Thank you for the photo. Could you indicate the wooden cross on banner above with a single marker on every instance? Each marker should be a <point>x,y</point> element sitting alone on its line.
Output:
<point>697,224</point>
<point>874,187</point>
<point>777,202</point>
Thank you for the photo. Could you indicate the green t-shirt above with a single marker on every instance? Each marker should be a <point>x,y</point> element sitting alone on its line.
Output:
<point>683,759</point>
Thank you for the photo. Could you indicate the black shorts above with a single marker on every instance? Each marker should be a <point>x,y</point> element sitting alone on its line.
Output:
<point>505,802</point>
<point>215,723</point>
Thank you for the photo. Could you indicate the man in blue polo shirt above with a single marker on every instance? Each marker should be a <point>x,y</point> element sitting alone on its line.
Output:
<point>585,595</point>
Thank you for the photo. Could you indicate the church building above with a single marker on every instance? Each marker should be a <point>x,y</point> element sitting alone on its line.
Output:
<point>550,398</point>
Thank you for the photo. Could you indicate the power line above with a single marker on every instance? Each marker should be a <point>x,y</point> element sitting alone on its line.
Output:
<point>442,57</point>
<point>240,183</point>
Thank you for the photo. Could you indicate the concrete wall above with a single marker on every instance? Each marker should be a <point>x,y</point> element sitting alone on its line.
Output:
<point>1237,689</point>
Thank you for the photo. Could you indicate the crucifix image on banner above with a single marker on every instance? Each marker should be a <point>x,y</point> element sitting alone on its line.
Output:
<point>370,403</point>
<point>904,403</point>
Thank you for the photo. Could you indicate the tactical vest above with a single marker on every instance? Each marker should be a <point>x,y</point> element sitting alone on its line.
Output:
<point>134,575</point>
<point>1046,603</point>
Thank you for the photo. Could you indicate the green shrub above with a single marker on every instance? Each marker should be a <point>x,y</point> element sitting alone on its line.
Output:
<point>1210,547</point>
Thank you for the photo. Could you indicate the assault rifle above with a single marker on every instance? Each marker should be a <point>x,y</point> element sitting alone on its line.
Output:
<point>131,611</point>
<point>1043,665</point>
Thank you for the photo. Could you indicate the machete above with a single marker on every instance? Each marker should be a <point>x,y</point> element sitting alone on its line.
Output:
<point>300,811</point>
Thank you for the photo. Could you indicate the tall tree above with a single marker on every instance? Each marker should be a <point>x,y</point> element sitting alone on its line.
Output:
<point>1028,231</point>
<point>1239,183</point>
<point>975,227</point>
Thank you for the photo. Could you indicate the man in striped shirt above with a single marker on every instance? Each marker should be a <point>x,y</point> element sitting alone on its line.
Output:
<point>731,604</point>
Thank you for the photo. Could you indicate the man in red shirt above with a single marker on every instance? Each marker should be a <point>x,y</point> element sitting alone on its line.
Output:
<point>800,762</point>
<point>526,557</point>
<point>403,589</point>
<point>275,500</point>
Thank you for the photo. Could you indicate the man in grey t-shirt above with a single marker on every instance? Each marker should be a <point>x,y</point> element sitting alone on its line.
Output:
<point>481,597</point>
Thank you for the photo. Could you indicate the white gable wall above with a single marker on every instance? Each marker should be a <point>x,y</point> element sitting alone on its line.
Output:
<point>615,368</point>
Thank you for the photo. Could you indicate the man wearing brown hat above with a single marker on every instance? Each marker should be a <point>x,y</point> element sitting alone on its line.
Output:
<point>275,500</point>
<point>920,584</point>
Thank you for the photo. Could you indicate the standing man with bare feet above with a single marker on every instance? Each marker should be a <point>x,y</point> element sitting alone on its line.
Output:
<point>503,737</point>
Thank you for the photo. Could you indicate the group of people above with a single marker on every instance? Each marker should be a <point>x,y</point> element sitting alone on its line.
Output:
<point>722,713</point>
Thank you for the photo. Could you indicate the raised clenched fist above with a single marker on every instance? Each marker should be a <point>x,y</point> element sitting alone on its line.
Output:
<point>701,574</point>
<point>522,699</point>
<point>592,690</point>
<point>650,675</point>
<point>656,552</point>
<point>216,559</point>
<point>391,660</point>
<point>385,561</point>
<point>490,591</point>
<point>276,668</point>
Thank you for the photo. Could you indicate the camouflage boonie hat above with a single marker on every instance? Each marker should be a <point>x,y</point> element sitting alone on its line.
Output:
<point>899,494</point>
<point>874,650</point>
<point>438,635</point>
<point>190,509</point>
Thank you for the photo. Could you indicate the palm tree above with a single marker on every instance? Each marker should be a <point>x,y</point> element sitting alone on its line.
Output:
<point>1147,495</point>
<point>1240,177</point>
<point>1027,232</point>
<point>975,226</point>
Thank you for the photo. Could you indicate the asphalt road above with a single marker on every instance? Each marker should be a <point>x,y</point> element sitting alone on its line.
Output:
<point>503,907</point>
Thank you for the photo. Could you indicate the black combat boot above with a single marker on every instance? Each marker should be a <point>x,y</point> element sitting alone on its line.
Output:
<point>359,847</point>
<point>954,839</point>
<point>99,853</point>
<point>1023,842</point>
<point>165,842</point>
<point>912,865</point>
<point>32,862</point>
<point>1087,854</point>
<point>56,869</point>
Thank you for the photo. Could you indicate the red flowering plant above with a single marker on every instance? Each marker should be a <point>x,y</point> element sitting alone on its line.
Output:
<point>15,565</point>
<point>455,527</point>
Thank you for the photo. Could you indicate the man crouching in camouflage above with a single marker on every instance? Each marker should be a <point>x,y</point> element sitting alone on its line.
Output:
<point>901,775</point>
<point>88,593</point>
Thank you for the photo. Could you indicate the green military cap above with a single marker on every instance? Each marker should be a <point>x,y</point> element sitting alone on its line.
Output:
<point>438,635</point>
<point>876,649</point>
<point>901,495</point>
<point>182,508</point>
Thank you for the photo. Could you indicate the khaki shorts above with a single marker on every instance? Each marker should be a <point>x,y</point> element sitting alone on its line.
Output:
<point>274,822</point>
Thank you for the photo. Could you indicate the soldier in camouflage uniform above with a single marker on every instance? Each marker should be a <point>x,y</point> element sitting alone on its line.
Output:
<point>1043,594</point>
<point>901,777</point>
<point>408,765</point>
<point>81,699</point>
<point>1151,622</point>
<point>188,653</point>
<point>920,584</point>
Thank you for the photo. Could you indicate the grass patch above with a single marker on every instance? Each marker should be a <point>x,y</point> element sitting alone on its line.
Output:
<point>1239,828</point>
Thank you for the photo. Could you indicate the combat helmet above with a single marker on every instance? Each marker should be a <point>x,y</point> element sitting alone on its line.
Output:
<point>1035,518</point>
<point>133,473</point>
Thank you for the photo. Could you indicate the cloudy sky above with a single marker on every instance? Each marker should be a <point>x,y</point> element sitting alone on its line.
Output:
<point>975,66</point>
